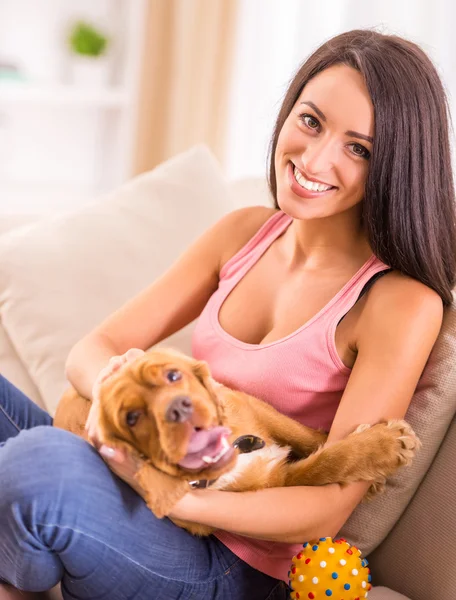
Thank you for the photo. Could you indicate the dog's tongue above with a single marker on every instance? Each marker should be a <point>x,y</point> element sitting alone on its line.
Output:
<point>206,442</point>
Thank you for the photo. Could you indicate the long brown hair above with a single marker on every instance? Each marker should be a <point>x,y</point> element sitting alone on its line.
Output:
<point>409,203</point>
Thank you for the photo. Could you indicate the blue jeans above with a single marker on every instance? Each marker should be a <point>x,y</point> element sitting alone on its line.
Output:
<point>64,516</point>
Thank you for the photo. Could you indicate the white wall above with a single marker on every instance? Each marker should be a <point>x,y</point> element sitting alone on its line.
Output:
<point>61,146</point>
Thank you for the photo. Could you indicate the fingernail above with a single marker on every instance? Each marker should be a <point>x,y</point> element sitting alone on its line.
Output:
<point>108,452</point>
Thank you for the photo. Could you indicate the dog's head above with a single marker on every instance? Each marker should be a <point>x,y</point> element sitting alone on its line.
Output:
<point>164,405</point>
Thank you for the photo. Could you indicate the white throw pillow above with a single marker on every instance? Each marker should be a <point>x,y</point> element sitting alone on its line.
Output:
<point>60,277</point>
<point>12,368</point>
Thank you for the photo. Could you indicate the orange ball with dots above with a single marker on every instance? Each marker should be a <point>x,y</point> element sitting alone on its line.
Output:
<point>329,569</point>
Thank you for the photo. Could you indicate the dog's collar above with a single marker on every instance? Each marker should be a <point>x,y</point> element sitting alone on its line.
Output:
<point>245,444</point>
<point>200,484</point>
<point>248,443</point>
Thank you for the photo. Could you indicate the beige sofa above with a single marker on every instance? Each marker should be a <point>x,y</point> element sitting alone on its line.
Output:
<point>60,276</point>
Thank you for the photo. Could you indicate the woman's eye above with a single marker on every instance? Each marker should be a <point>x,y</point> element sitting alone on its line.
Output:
<point>360,151</point>
<point>173,375</point>
<point>310,122</point>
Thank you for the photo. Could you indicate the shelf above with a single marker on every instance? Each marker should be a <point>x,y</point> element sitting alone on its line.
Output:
<point>61,95</point>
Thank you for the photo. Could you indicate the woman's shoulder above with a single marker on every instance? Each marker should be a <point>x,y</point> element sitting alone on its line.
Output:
<point>397,302</point>
<point>239,226</point>
<point>396,287</point>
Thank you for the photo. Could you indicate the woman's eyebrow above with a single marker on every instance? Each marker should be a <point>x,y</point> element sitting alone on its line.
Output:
<point>361,136</point>
<point>316,109</point>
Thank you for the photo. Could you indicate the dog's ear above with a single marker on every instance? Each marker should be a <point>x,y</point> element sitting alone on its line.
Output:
<point>162,491</point>
<point>200,369</point>
<point>72,412</point>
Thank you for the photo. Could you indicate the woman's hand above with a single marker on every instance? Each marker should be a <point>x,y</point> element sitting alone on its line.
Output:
<point>124,465</point>
<point>115,363</point>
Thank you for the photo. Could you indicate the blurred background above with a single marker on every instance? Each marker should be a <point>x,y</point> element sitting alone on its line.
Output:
<point>93,92</point>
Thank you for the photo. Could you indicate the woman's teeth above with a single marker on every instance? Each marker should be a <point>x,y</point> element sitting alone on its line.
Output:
<point>312,186</point>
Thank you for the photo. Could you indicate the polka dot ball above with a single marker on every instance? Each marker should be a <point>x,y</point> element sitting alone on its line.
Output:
<point>342,572</point>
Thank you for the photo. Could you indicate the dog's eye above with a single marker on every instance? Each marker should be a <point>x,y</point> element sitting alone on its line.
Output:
<point>173,375</point>
<point>132,417</point>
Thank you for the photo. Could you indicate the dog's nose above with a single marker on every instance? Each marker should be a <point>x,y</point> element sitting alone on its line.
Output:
<point>179,410</point>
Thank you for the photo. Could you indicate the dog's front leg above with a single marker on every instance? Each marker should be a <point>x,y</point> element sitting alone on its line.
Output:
<point>194,528</point>
<point>370,453</point>
<point>286,431</point>
<point>161,491</point>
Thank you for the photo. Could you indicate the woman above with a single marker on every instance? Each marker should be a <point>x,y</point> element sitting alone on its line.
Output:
<point>327,306</point>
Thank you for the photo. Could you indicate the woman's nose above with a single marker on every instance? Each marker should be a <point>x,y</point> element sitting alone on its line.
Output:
<point>319,157</point>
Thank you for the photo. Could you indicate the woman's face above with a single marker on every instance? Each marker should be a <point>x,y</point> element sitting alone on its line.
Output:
<point>323,149</point>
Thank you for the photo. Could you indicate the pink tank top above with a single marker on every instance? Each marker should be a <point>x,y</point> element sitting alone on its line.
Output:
<point>301,375</point>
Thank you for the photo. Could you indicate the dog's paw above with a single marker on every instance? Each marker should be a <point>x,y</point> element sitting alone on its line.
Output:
<point>396,438</point>
<point>377,488</point>
<point>381,449</point>
<point>407,441</point>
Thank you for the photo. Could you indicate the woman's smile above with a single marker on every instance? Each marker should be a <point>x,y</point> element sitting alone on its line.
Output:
<point>307,188</point>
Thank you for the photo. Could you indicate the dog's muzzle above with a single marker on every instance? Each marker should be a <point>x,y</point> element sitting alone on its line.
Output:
<point>245,444</point>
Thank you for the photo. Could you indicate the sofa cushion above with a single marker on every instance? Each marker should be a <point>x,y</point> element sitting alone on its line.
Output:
<point>10,364</point>
<point>249,191</point>
<point>9,222</point>
<point>430,414</point>
<point>423,542</point>
<point>12,368</point>
<point>383,593</point>
<point>61,276</point>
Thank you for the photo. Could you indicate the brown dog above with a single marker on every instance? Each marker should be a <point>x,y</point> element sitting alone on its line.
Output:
<point>165,408</point>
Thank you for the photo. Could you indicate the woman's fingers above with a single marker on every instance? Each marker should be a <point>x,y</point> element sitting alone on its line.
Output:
<point>111,454</point>
<point>124,465</point>
<point>116,361</point>
<point>91,424</point>
<point>114,364</point>
<point>102,376</point>
<point>133,354</point>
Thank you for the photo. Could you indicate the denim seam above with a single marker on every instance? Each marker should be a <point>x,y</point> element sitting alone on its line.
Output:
<point>9,418</point>
<point>228,570</point>
<point>138,564</point>
<point>274,589</point>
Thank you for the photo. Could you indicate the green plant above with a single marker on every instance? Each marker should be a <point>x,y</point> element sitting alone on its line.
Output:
<point>87,40</point>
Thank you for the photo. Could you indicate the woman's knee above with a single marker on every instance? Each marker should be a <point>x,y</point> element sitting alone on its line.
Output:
<point>40,471</point>
<point>46,460</point>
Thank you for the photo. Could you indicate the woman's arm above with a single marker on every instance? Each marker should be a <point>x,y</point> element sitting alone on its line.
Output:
<point>289,514</point>
<point>169,303</point>
<point>398,328</point>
